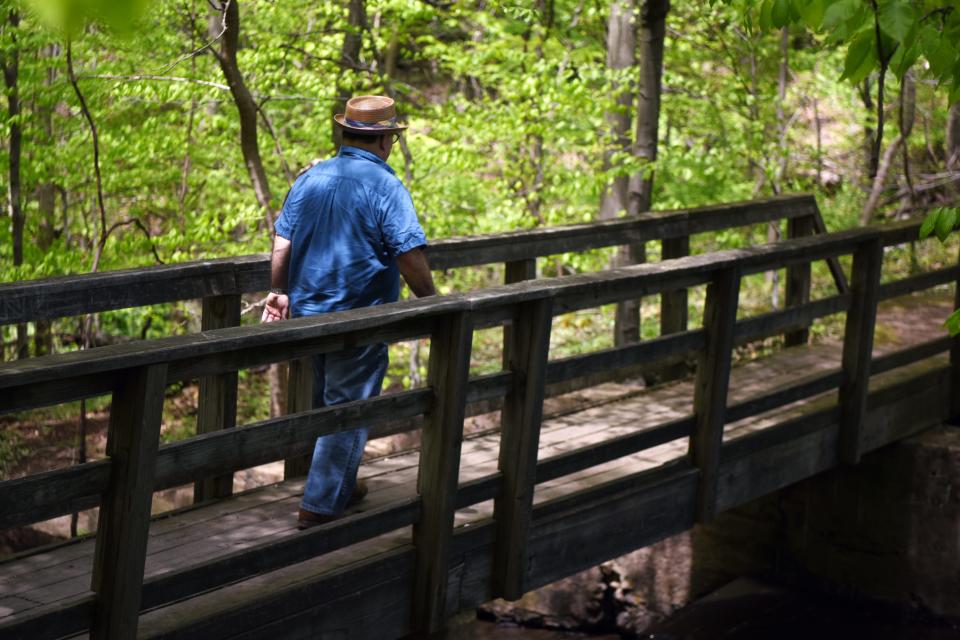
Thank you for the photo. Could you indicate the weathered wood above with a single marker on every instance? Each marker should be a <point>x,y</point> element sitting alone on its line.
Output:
<point>653,225</point>
<point>519,438</point>
<point>839,277</point>
<point>710,387</point>
<point>299,399</point>
<point>910,355</point>
<point>648,352</point>
<point>583,529</point>
<point>798,279</point>
<point>858,345</point>
<point>75,295</point>
<point>769,324</point>
<point>54,493</point>
<point>449,369</point>
<point>278,553</point>
<point>921,282</point>
<point>517,271</point>
<point>607,450</point>
<point>89,293</point>
<point>673,306</point>
<point>217,401</point>
<point>61,620</point>
<point>124,521</point>
<point>800,391</point>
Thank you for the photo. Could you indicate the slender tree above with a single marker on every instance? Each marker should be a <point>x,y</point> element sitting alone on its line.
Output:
<point>11,71</point>
<point>621,55</point>
<point>650,37</point>
<point>226,56</point>
<point>953,138</point>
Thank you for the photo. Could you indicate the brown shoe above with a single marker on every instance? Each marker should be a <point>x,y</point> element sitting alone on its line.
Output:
<point>307,519</point>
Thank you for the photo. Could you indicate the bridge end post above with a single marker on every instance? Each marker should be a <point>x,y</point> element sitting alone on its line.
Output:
<point>711,386</point>
<point>217,402</point>
<point>519,441</point>
<point>124,523</point>
<point>674,316</point>
<point>299,398</point>
<point>798,279</point>
<point>437,481</point>
<point>955,360</point>
<point>858,345</point>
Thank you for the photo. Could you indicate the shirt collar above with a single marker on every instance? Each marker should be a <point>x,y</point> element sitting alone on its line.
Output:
<point>347,150</point>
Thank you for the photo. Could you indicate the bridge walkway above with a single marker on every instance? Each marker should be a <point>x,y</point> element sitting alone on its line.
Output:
<point>38,582</point>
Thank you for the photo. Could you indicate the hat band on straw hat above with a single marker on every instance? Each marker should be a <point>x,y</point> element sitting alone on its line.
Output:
<point>383,124</point>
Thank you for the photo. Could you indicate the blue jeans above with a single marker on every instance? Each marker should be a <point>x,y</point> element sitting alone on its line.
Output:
<point>342,376</point>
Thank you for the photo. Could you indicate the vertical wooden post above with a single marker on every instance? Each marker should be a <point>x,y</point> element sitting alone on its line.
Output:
<point>437,481</point>
<point>519,440</point>
<point>299,398</point>
<point>628,320</point>
<point>217,404</point>
<point>798,279</point>
<point>673,305</point>
<point>516,271</point>
<point>712,382</point>
<point>858,345</point>
<point>124,522</point>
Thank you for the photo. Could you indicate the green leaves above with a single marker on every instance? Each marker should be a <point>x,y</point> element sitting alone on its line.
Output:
<point>861,56</point>
<point>940,221</point>
<point>69,16</point>
<point>897,18</point>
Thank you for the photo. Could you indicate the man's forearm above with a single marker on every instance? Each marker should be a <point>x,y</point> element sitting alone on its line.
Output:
<point>416,272</point>
<point>280,263</point>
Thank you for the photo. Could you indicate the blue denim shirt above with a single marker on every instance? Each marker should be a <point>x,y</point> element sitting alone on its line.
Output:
<point>348,219</point>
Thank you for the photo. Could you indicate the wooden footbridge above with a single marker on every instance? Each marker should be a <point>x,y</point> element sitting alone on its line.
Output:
<point>459,521</point>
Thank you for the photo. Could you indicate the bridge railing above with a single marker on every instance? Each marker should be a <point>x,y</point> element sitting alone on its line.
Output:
<point>221,283</point>
<point>136,375</point>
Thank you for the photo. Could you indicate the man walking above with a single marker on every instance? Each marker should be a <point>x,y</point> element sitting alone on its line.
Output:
<point>347,230</point>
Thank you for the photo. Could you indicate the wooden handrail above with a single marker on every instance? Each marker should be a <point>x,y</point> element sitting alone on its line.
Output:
<point>88,293</point>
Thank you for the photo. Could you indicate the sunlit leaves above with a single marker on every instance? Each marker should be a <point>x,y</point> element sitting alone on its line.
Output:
<point>940,222</point>
<point>897,18</point>
<point>861,56</point>
<point>71,15</point>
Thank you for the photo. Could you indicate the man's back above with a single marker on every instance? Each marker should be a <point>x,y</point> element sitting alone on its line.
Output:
<point>347,219</point>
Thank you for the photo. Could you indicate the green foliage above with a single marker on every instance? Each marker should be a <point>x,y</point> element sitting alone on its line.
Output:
<point>70,16</point>
<point>907,31</point>
<point>940,221</point>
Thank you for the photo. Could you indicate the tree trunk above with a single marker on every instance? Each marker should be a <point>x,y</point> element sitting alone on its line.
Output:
<point>650,39</point>
<point>11,70</point>
<point>653,15</point>
<point>953,138</point>
<point>226,55</point>
<point>349,59</point>
<point>621,52</point>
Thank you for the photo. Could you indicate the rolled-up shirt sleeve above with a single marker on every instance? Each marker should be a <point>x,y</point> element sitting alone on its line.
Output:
<point>398,221</point>
<point>286,222</point>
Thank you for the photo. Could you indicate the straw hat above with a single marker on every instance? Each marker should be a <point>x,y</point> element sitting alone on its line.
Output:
<point>372,115</point>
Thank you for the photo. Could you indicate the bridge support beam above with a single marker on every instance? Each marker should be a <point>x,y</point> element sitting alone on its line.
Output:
<point>217,403</point>
<point>122,530</point>
<point>858,346</point>
<point>711,385</point>
<point>519,441</point>
<point>450,347</point>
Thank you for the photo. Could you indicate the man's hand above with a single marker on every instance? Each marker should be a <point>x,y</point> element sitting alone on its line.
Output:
<point>276,308</point>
